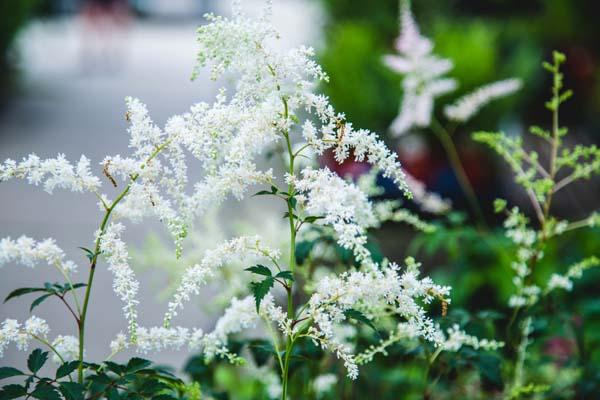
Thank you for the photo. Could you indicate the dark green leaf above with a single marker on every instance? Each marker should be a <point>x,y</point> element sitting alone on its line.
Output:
<point>285,275</point>
<point>136,363</point>
<point>39,301</point>
<point>260,290</point>
<point>45,391</point>
<point>274,189</point>
<point>22,291</point>
<point>262,193</point>
<point>7,372</point>
<point>12,392</point>
<point>360,317</point>
<point>260,270</point>
<point>88,253</point>
<point>66,369</point>
<point>72,390</point>
<point>303,250</point>
<point>293,202</point>
<point>114,367</point>
<point>261,350</point>
<point>36,360</point>
<point>312,218</point>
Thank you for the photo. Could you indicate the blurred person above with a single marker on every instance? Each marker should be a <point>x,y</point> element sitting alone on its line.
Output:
<point>105,24</point>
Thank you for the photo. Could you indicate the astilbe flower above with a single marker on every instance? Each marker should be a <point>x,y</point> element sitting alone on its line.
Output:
<point>124,284</point>
<point>371,291</point>
<point>12,331</point>
<point>67,346</point>
<point>52,173</point>
<point>235,249</point>
<point>423,74</point>
<point>28,252</point>
<point>342,205</point>
<point>467,106</point>
<point>272,89</point>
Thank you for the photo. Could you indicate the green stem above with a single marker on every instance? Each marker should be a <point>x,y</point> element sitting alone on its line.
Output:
<point>290,300</point>
<point>463,180</point>
<point>94,260</point>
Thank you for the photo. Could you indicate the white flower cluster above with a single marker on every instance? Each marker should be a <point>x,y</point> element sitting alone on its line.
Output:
<point>342,205</point>
<point>457,338</point>
<point>373,290</point>
<point>236,249</point>
<point>124,283</point>
<point>52,173</point>
<point>28,252</point>
<point>239,316</point>
<point>12,331</point>
<point>575,271</point>
<point>423,74</point>
<point>67,346</point>
<point>159,338</point>
<point>467,106</point>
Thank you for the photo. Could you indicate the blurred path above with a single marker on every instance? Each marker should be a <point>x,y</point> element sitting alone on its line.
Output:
<point>69,109</point>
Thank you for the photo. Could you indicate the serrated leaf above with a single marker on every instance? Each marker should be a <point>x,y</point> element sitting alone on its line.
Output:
<point>136,364</point>
<point>39,301</point>
<point>66,369</point>
<point>259,270</point>
<point>260,290</point>
<point>36,360</point>
<point>360,317</point>
<point>285,275</point>
<point>71,390</point>
<point>45,391</point>
<point>114,367</point>
<point>8,372</point>
<point>22,291</point>
<point>12,392</point>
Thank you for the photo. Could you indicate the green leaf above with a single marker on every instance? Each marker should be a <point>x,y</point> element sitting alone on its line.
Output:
<point>274,189</point>
<point>499,205</point>
<point>72,390</point>
<point>88,253</point>
<point>114,367</point>
<point>303,249</point>
<point>285,275</point>
<point>312,218</point>
<point>262,193</point>
<point>293,202</point>
<point>39,301</point>
<point>136,364</point>
<point>260,290</point>
<point>66,369</point>
<point>360,317</point>
<point>259,269</point>
<point>45,391</point>
<point>36,360</point>
<point>22,291</point>
<point>8,372</point>
<point>12,392</point>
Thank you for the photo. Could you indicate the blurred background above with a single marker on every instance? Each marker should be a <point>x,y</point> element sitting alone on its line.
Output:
<point>66,66</point>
